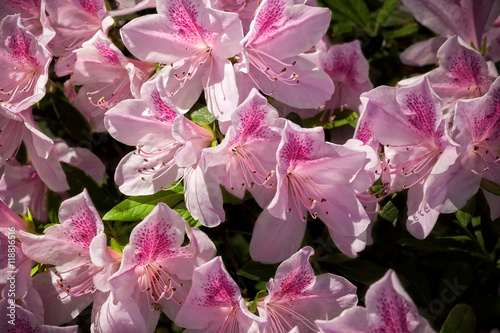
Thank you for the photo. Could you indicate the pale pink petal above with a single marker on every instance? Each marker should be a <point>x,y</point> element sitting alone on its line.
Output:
<point>82,158</point>
<point>25,321</point>
<point>422,53</point>
<point>203,197</point>
<point>352,320</point>
<point>48,169</point>
<point>278,23</point>
<point>274,240</point>
<point>58,308</point>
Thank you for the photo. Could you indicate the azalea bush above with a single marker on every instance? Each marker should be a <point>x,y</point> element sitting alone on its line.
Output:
<point>250,166</point>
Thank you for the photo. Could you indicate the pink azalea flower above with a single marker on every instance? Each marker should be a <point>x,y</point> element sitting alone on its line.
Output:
<point>169,147</point>
<point>468,19</point>
<point>17,319</point>
<point>297,298</point>
<point>24,65</point>
<point>107,77</point>
<point>320,178</point>
<point>476,128</point>
<point>415,147</point>
<point>145,123</point>
<point>348,68</point>
<point>462,73</point>
<point>195,42</point>
<point>246,158</point>
<point>270,60</point>
<point>20,126</point>
<point>82,261</point>
<point>74,22</point>
<point>216,300</point>
<point>156,269</point>
<point>15,267</point>
<point>30,12</point>
<point>388,309</point>
<point>22,188</point>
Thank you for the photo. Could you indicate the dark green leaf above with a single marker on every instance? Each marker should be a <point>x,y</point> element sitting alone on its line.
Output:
<point>78,180</point>
<point>199,114</point>
<point>354,10</point>
<point>73,122</point>
<point>385,12</point>
<point>257,271</point>
<point>465,214</point>
<point>460,320</point>
<point>486,306</point>
<point>390,213</point>
<point>359,270</point>
<point>401,32</point>
<point>53,202</point>
<point>490,186</point>
<point>455,281</point>
<point>138,207</point>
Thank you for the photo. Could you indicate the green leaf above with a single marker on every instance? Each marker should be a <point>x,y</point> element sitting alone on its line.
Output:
<point>490,186</point>
<point>465,214</point>
<point>455,281</point>
<point>115,246</point>
<point>354,10</point>
<point>73,122</point>
<point>78,180</point>
<point>390,213</point>
<point>486,307</point>
<point>200,115</point>
<point>460,320</point>
<point>53,202</point>
<point>359,270</point>
<point>350,119</point>
<point>385,12</point>
<point>257,271</point>
<point>407,30</point>
<point>138,207</point>
<point>28,220</point>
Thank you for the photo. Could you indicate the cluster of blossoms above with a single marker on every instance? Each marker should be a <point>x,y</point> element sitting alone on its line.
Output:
<point>252,63</point>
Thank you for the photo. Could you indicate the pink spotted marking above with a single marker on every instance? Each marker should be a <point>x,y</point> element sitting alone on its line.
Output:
<point>91,6</point>
<point>252,128</point>
<point>423,114</point>
<point>364,134</point>
<point>220,291</point>
<point>25,6</point>
<point>110,55</point>
<point>252,124</point>
<point>485,128</point>
<point>82,226</point>
<point>20,48</point>
<point>293,285</point>
<point>465,68</point>
<point>269,18</point>
<point>395,314</point>
<point>183,16</point>
<point>24,325</point>
<point>161,110</point>
<point>342,66</point>
<point>155,241</point>
<point>297,149</point>
<point>486,125</point>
